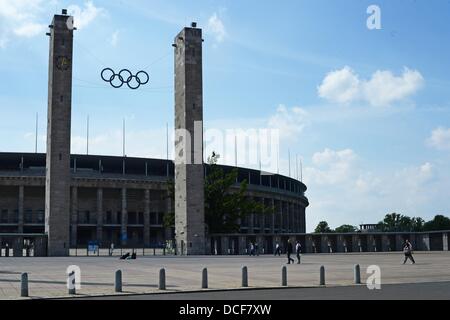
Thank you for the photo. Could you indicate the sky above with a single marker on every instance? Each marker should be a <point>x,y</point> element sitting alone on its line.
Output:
<point>365,111</point>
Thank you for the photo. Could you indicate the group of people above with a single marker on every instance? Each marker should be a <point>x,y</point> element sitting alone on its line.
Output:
<point>289,250</point>
<point>407,250</point>
<point>254,251</point>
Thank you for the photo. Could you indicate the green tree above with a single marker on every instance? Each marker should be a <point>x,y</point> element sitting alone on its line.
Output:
<point>439,222</point>
<point>346,228</point>
<point>169,217</point>
<point>225,202</point>
<point>224,205</point>
<point>417,224</point>
<point>390,222</point>
<point>323,227</point>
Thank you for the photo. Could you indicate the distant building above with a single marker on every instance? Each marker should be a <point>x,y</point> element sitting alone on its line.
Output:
<point>370,227</point>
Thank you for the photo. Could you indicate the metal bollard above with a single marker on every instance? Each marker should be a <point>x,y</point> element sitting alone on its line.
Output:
<point>204,278</point>
<point>118,281</point>
<point>162,279</point>
<point>322,275</point>
<point>24,285</point>
<point>284,276</point>
<point>244,276</point>
<point>357,274</point>
<point>71,288</point>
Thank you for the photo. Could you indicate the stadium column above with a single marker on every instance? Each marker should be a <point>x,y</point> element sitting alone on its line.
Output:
<point>74,218</point>
<point>100,215</point>
<point>263,216</point>
<point>146,217</point>
<point>123,223</point>
<point>20,210</point>
<point>251,219</point>
<point>58,178</point>
<point>189,171</point>
<point>273,215</point>
<point>281,213</point>
<point>288,217</point>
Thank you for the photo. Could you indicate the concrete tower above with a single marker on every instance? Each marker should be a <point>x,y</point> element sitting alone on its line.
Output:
<point>189,172</point>
<point>57,182</point>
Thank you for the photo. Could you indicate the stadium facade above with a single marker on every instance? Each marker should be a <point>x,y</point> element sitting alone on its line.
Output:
<point>122,200</point>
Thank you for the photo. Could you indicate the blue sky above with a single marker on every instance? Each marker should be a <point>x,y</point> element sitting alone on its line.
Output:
<point>368,111</point>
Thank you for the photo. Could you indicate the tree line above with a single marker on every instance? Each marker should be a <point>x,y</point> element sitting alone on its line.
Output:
<point>394,222</point>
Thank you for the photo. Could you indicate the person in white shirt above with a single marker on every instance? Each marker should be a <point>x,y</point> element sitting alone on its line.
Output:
<point>298,251</point>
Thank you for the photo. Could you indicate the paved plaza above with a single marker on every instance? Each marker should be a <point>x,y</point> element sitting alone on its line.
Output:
<point>47,276</point>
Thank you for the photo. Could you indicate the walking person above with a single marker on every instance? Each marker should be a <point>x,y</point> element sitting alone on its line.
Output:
<point>298,250</point>
<point>256,249</point>
<point>252,249</point>
<point>289,251</point>
<point>407,250</point>
<point>277,249</point>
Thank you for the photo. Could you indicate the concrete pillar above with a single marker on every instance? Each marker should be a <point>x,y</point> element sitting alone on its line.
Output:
<point>288,217</point>
<point>273,215</point>
<point>340,243</point>
<point>324,244</point>
<point>385,243</point>
<point>282,219</point>
<point>308,244</point>
<point>74,216</point>
<point>100,216</point>
<point>58,177</point>
<point>189,170</point>
<point>20,210</point>
<point>445,241</point>
<point>146,217</point>
<point>224,245</point>
<point>425,243</point>
<point>124,222</point>
<point>356,242</point>
<point>17,246</point>
<point>398,242</point>
<point>242,244</point>
<point>371,244</point>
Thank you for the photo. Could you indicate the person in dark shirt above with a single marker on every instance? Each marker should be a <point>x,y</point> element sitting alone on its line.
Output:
<point>407,250</point>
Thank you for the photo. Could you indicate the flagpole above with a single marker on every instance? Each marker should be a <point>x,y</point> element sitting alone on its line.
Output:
<point>87,135</point>
<point>289,162</point>
<point>36,137</point>
<point>123,138</point>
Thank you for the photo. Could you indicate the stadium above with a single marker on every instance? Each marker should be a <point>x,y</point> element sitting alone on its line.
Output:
<point>112,196</point>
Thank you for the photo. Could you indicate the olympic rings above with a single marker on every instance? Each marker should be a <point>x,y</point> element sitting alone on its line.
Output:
<point>116,80</point>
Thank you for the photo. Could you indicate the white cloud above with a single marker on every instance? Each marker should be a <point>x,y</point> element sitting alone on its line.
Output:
<point>440,138</point>
<point>340,86</point>
<point>382,89</point>
<point>30,29</point>
<point>341,191</point>
<point>82,17</point>
<point>30,18</point>
<point>115,38</point>
<point>290,122</point>
<point>20,18</point>
<point>216,28</point>
<point>331,167</point>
